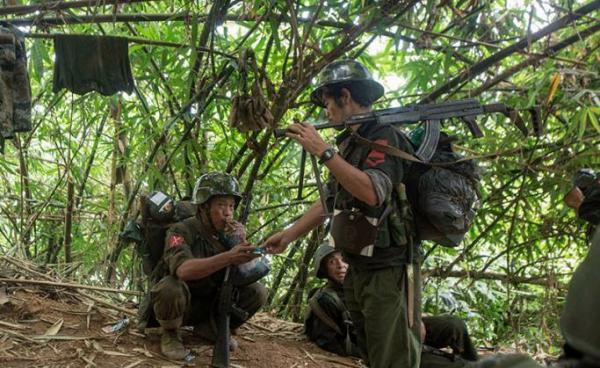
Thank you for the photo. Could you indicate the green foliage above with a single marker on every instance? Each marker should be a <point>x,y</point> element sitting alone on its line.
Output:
<point>522,232</point>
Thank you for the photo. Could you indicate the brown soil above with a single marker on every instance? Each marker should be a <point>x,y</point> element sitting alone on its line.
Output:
<point>78,341</point>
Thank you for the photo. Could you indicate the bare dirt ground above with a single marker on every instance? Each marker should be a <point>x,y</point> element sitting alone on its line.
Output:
<point>41,326</point>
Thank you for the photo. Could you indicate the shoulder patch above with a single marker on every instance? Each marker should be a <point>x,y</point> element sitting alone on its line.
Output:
<point>376,157</point>
<point>175,240</point>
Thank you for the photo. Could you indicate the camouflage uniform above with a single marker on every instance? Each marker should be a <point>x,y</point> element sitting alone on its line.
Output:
<point>15,90</point>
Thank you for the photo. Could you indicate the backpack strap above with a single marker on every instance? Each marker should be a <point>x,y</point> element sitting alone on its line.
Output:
<point>325,318</point>
<point>315,307</point>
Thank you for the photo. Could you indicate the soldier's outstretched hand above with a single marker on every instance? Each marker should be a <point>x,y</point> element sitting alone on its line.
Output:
<point>276,243</point>
<point>242,253</point>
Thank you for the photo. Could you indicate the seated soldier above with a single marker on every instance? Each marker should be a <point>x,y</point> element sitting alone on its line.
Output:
<point>190,273</point>
<point>328,323</point>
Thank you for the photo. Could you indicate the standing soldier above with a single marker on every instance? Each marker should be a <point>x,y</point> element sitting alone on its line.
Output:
<point>197,252</point>
<point>372,224</point>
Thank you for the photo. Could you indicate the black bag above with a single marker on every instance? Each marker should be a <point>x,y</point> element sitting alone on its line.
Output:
<point>444,197</point>
<point>158,212</point>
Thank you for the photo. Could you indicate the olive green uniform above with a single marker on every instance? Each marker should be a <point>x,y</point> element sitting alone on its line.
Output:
<point>382,291</point>
<point>174,302</point>
<point>580,319</point>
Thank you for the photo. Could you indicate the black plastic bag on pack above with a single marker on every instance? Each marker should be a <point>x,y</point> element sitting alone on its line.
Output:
<point>447,198</point>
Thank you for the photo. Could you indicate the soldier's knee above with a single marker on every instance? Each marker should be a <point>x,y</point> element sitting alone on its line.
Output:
<point>170,298</point>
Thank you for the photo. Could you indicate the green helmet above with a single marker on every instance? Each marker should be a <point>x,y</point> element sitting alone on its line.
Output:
<point>215,184</point>
<point>321,253</point>
<point>344,71</point>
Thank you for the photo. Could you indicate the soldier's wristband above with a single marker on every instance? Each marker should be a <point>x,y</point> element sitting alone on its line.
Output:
<point>327,155</point>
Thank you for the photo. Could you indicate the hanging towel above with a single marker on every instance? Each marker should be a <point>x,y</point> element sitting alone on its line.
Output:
<point>92,63</point>
<point>15,90</point>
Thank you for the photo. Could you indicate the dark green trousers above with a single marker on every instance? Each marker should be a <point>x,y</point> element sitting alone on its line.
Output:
<point>174,305</point>
<point>378,301</point>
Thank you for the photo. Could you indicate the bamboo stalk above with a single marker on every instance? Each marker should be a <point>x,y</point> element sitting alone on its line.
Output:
<point>69,219</point>
<point>473,71</point>
<point>141,41</point>
<point>61,5</point>
<point>70,285</point>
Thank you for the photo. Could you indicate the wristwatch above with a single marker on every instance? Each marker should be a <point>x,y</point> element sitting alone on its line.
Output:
<point>327,155</point>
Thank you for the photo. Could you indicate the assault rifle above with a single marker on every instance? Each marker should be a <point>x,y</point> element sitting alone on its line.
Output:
<point>226,308</point>
<point>432,114</point>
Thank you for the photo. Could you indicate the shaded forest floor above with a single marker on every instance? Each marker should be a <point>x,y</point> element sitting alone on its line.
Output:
<point>44,329</point>
<point>54,326</point>
<point>58,325</point>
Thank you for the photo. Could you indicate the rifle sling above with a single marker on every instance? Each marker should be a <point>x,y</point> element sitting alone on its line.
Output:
<point>396,152</point>
<point>319,312</point>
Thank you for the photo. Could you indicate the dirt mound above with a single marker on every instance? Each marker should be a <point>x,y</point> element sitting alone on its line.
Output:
<point>46,323</point>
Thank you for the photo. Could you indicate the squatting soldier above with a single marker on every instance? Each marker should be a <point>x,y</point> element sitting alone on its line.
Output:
<point>372,223</point>
<point>328,322</point>
<point>197,251</point>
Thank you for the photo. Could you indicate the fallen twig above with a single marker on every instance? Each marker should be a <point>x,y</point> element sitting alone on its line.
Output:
<point>69,285</point>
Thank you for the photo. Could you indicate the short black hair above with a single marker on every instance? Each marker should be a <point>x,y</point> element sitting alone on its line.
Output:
<point>360,94</point>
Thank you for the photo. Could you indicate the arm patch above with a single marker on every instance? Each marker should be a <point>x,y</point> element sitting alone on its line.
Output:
<point>175,240</point>
<point>377,157</point>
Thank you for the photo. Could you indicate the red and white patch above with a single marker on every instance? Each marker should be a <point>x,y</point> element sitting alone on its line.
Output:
<point>376,157</point>
<point>175,240</point>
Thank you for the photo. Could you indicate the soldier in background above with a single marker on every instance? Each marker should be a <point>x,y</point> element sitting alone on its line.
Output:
<point>329,325</point>
<point>580,320</point>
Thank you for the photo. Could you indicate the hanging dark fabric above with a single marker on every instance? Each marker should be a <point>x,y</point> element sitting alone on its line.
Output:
<point>92,63</point>
<point>15,91</point>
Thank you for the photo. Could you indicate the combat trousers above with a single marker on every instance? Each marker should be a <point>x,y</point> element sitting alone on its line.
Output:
<point>449,332</point>
<point>378,301</point>
<point>175,306</point>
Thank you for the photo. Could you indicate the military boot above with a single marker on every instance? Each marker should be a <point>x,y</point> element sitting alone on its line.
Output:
<point>171,345</point>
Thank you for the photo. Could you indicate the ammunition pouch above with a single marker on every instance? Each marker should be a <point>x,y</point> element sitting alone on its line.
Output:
<point>353,232</point>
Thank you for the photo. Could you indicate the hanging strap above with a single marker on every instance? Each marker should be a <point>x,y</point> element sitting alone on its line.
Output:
<point>325,318</point>
<point>319,312</point>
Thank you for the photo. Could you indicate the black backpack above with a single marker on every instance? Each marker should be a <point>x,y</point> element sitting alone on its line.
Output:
<point>443,193</point>
<point>158,212</point>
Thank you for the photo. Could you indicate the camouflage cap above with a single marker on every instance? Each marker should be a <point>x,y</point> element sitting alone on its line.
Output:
<point>344,71</point>
<point>215,184</point>
<point>321,253</point>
